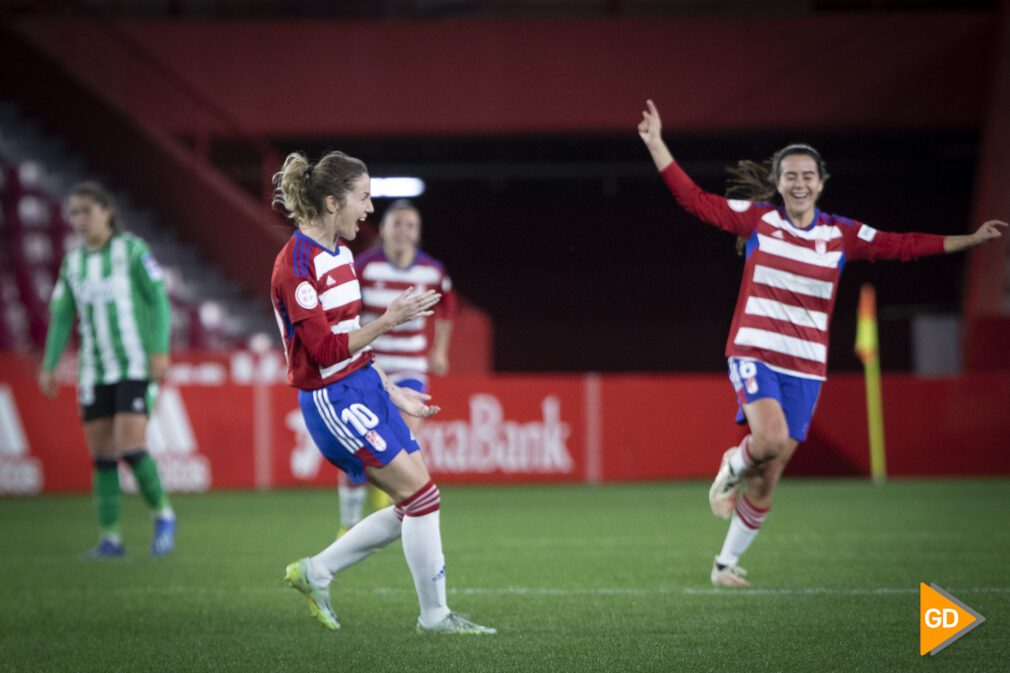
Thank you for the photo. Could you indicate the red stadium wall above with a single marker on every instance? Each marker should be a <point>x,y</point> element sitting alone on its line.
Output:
<point>226,421</point>
<point>464,76</point>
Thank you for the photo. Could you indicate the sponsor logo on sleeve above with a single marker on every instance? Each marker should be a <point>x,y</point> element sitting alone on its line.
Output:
<point>739,205</point>
<point>866,233</point>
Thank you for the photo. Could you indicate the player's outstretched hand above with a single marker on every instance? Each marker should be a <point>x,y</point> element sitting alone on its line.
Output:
<point>990,230</point>
<point>650,129</point>
<point>412,402</point>
<point>412,304</point>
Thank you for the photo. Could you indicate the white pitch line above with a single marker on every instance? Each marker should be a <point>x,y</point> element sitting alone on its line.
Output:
<point>687,591</point>
<point>693,591</point>
<point>561,591</point>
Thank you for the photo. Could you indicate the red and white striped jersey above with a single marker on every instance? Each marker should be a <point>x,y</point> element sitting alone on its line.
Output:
<point>317,302</point>
<point>402,352</point>
<point>790,279</point>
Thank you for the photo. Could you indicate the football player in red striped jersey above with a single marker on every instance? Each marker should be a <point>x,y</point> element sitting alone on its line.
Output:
<point>350,407</point>
<point>777,347</point>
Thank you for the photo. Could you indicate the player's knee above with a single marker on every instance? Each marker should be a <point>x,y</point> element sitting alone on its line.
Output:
<point>770,444</point>
<point>425,500</point>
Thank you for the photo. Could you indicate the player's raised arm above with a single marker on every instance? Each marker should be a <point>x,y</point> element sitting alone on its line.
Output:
<point>707,207</point>
<point>650,130</point>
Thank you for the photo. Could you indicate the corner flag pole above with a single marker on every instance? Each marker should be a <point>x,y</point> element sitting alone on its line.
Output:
<point>868,351</point>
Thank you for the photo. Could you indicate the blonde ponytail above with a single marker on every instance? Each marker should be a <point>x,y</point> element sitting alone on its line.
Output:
<point>302,187</point>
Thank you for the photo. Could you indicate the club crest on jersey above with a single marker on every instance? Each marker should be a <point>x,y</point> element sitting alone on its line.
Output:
<point>376,440</point>
<point>822,247</point>
<point>306,295</point>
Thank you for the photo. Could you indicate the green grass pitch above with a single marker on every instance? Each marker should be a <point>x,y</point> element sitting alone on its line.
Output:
<point>576,578</point>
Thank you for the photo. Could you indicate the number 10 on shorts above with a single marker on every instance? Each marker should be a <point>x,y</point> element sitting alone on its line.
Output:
<point>363,420</point>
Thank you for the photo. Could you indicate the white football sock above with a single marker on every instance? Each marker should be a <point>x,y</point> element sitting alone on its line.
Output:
<point>741,459</point>
<point>422,545</point>
<point>352,504</point>
<point>743,528</point>
<point>369,536</point>
<point>737,540</point>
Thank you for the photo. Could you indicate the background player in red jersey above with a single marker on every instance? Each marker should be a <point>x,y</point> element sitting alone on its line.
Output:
<point>404,352</point>
<point>350,407</point>
<point>777,347</point>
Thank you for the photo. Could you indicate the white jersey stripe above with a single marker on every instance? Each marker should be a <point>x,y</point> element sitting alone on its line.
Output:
<point>340,295</point>
<point>345,326</point>
<point>325,263</point>
<point>376,297</point>
<point>396,344</point>
<point>103,336</point>
<point>799,348</point>
<point>326,372</point>
<point>415,275</point>
<point>136,358</point>
<point>415,325</point>
<point>797,315</point>
<point>399,362</point>
<point>784,280</point>
<point>773,246</point>
<point>816,233</point>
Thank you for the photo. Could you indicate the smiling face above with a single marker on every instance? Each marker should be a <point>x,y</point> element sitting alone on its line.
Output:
<point>90,219</point>
<point>355,209</point>
<point>800,185</point>
<point>401,232</point>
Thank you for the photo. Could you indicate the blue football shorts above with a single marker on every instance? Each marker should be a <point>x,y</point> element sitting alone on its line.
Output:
<point>355,423</point>
<point>753,380</point>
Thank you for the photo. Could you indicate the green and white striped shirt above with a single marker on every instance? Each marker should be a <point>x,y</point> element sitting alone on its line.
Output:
<point>118,295</point>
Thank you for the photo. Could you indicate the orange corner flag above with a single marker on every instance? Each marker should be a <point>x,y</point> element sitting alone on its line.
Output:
<point>942,619</point>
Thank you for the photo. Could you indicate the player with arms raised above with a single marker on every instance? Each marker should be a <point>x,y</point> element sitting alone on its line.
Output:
<point>778,341</point>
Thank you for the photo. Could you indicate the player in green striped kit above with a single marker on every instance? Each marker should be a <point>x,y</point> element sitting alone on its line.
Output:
<point>116,290</point>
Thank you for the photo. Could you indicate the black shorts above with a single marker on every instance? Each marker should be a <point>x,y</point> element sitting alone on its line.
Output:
<point>129,397</point>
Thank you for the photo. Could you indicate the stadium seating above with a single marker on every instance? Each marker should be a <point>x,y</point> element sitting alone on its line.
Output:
<point>35,236</point>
